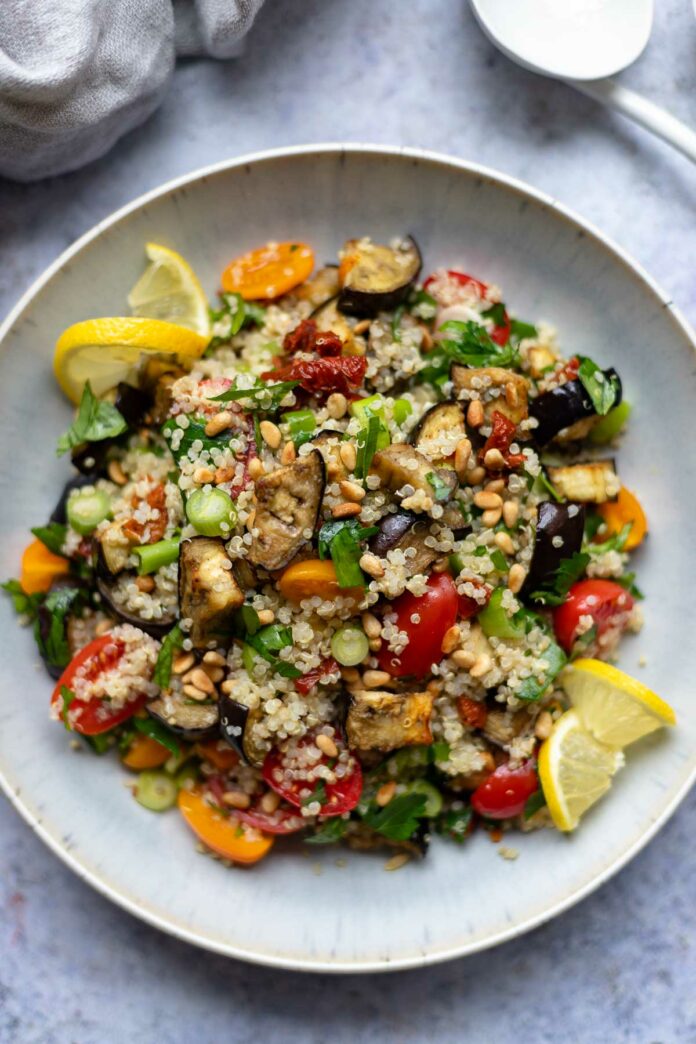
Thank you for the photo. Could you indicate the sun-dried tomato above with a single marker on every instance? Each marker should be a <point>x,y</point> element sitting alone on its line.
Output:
<point>500,438</point>
<point>307,338</point>
<point>471,712</point>
<point>307,682</point>
<point>135,530</point>
<point>323,376</point>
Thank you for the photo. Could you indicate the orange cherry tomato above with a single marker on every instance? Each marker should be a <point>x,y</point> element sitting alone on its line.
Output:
<point>230,838</point>
<point>40,567</point>
<point>312,577</point>
<point>269,271</point>
<point>616,513</point>
<point>144,753</point>
<point>223,758</point>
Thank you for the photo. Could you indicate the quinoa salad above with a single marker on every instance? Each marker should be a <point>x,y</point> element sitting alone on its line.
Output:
<point>330,549</point>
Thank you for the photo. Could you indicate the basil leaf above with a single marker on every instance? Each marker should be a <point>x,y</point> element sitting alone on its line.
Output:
<point>261,396</point>
<point>615,543</point>
<point>172,641</point>
<point>52,536</point>
<point>330,832</point>
<point>399,819</point>
<point>194,432</point>
<point>157,731</point>
<point>95,421</point>
<point>603,390</point>
<point>269,641</point>
<point>24,604</point>
<point>554,591</point>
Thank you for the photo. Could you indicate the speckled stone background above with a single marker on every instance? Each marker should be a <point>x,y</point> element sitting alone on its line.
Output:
<point>622,965</point>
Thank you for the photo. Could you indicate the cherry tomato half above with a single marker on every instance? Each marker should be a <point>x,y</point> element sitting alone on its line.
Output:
<point>434,612</point>
<point>338,797</point>
<point>283,821</point>
<point>603,600</point>
<point>501,331</point>
<point>506,791</point>
<point>95,716</point>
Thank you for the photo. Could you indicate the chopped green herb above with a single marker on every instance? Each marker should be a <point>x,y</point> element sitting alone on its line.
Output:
<point>302,424</point>
<point>52,638</point>
<point>534,803</point>
<point>246,621</point>
<point>603,390</point>
<point>422,304</point>
<point>401,410</point>
<point>261,396</point>
<point>520,330</point>
<point>318,794</point>
<point>95,421</point>
<point>627,581</point>
<point>544,482</point>
<point>234,314</point>
<point>100,743</point>
<point>399,819</point>
<point>24,604</point>
<point>367,440</point>
<point>470,345</point>
<point>499,560</point>
<point>396,323</point>
<point>194,432</point>
<point>615,543</point>
<point>440,751</point>
<point>269,641</point>
<point>68,696</point>
<point>51,536</point>
<point>330,832</point>
<point>455,824</point>
<point>163,667</point>
<point>157,731</point>
<point>441,489</point>
<point>554,591</point>
<point>342,541</point>
<point>497,314</point>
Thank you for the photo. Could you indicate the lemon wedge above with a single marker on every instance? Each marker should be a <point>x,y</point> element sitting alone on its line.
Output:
<point>168,289</point>
<point>106,351</point>
<point>575,770</point>
<point>614,707</point>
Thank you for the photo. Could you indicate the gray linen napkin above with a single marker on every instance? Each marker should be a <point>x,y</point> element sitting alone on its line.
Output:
<point>75,75</point>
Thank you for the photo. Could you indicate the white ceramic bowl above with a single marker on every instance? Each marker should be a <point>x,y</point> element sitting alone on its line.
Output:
<point>300,908</point>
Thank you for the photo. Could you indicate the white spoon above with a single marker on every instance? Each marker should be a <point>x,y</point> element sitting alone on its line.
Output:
<point>584,42</point>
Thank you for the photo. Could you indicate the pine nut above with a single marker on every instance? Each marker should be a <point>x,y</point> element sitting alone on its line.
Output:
<point>451,639</point>
<point>266,616</point>
<point>270,433</point>
<point>337,404</point>
<point>543,726</point>
<point>491,517</point>
<point>376,679</point>
<point>495,486</point>
<point>494,459</point>
<point>200,679</point>
<point>427,339</point>
<point>371,625</point>
<point>193,693</point>
<point>250,520</point>
<point>182,662</point>
<point>511,513</point>
<point>236,799</point>
<point>216,674</point>
<point>145,584</point>
<point>326,745</point>
<point>203,475</point>
<point>461,458</point>
<point>397,861</point>
<point>215,659</point>
<point>228,686</point>
<point>372,565</point>
<point>350,675</point>
<point>474,413</point>
<point>362,326</point>
<point>270,801</point>
<point>348,455</point>
<point>375,644</point>
<point>511,395</point>
<point>463,658</point>
<point>351,490</point>
<point>481,666</point>
<point>255,468</point>
<point>102,628</point>
<point>223,475</point>
<point>516,577</point>
<point>504,542</point>
<point>486,500</point>
<point>346,510</point>
<point>116,473</point>
<point>288,454</point>
<point>219,423</point>
<point>476,476</point>
<point>440,565</point>
<point>385,793</point>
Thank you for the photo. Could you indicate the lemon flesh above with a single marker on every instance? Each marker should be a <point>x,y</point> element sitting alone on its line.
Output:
<point>168,289</point>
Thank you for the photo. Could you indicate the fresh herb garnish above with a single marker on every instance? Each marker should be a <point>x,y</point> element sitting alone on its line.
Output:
<point>534,803</point>
<point>440,751</point>
<point>615,543</point>
<point>318,794</point>
<point>51,536</point>
<point>51,637</point>
<point>399,819</point>
<point>545,482</point>
<point>268,642</point>
<point>470,345</point>
<point>532,688</point>
<point>366,441</point>
<point>24,604</point>
<point>330,832</point>
<point>234,314</point>
<point>95,421</point>
<point>627,581</point>
<point>441,489</point>
<point>497,314</point>
<point>194,432</point>
<point>520,330</point>
<point>554,590</point>
<point>602,389</point>
<point>156,731</point>
<point>101,742</point>
<point>455,824</point>
<point>499,560</point>
<point>246,621</point>
<point>67,696</point>
<point>396,323</point>
<point>163,667</point>
<point>342,541</point>
<point>422,304</point>
<point>261,396</point>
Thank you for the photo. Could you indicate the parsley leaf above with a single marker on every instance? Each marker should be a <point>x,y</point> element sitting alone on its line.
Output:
<point>51,536</point>
<point>441,489</point>
<point>520,330</point>
<point>399,819</point>
<point>367,440</point>
<point>330,832</point>
<point>24,604</point>
<point>163,667</point>
<point>269,641</point>
<point>50,627</point>
<point>261,396</point>
<point>554,590</point>
<point>455,824</point>
<point>195,432</point>
<point>602,388</point>
<point>470,345</point>
<point>95,421</point>
<point>233,315</point>
<point>341,539</point>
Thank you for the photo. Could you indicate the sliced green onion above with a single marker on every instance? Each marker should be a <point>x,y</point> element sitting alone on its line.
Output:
<point>363,409</point>
<point>301,424</point>
<point>433,797</point>
<point>155,556</point>
<point>155,791</point>
<point>350,646</point>
<point>211,512</point>
<point>86,509</point>
<point>609,427</point>
<point>495,621</point>
<point>401,409</point>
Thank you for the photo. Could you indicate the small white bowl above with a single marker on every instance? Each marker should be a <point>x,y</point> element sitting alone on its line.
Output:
<point>326,909</point>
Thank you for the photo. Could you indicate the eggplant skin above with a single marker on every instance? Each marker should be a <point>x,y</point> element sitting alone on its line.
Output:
<point>193,722</point>
<point>288,502</point>
<point>444,418</point>
<point>156,628</point>
<point>405,530</point>
<point>378,278</point>
<point>209,594</point>
<point>553,520</point>
<point>402,465</point>
<point>386,721</point>
<point>233,722</point>
<point>132,403</point>
<point>564,406</point>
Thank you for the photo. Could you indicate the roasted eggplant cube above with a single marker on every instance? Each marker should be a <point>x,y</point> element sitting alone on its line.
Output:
<point>401,465</point>
<point>287,507</point>
<point>444,419</point>
<point>557,524</point>
<point>403,531</point>
<point>328,444</point>
<point>386,721</point>
<point>564,406</point>
<point>192,721</point>
<point>376,278</point>
<point>208,591</point>
<point>592,482</point>
<point>321,288</point>
<point>498,388</point>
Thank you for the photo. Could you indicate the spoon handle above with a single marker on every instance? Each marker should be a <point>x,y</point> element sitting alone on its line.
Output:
<point>642,111</point>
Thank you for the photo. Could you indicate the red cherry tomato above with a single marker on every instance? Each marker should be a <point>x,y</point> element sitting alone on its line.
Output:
<point>435,612</point>
<point>283,821</point>
<point>506,791</point>
<point>341,796</point>
<point>603,600</point>
<point>501,331</point>
<point>468,606</point>
<point>95,716</point>
<point>306,683</point>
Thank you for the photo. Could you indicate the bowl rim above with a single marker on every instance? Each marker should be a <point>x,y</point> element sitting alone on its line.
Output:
<point>53,841</point>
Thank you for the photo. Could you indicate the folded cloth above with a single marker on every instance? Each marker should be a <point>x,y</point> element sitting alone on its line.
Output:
<point>75,75</point>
